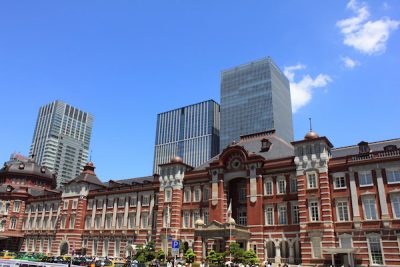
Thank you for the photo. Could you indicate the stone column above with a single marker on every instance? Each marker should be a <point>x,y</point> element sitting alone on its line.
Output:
<point>126,212</point>
<point>93,213</point>
<point>103,214</point>
<point>114,218</point>
<point>277,253</point>
<point>354,201</point>
<point>382,198</point>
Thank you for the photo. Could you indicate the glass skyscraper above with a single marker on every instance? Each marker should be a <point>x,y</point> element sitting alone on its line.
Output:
<point>61,139</point>
<point>191,132</point>
<point>255,97</point>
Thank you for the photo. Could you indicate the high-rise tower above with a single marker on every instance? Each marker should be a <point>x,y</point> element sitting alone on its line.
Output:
<point>190,132</point>
<point>61,139</point>
<point>255,97</point>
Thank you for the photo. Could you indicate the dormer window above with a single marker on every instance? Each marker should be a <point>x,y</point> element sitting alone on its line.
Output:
<point>363,148</point>
<point>390,148</point>
<point>265,145</point>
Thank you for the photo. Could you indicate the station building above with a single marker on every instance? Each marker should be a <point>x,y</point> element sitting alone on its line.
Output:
<point>300,202</point>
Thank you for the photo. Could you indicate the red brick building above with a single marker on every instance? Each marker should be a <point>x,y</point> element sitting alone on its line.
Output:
<point>301,202</point>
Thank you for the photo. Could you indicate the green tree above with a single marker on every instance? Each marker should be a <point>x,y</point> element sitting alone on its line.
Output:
<point>237,253</point>
<point>160,255</point>
<point>250,257</point>
<point>189,256</point>
<point>150,251</point>
<point>215,257</point>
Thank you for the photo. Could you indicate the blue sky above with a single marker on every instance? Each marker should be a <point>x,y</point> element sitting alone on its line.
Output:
<point>126,61</point>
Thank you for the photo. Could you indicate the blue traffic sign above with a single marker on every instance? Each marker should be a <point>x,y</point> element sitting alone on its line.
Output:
<point>175,244</point>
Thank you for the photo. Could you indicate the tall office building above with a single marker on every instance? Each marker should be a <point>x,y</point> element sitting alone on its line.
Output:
<point>191,132</point>
<point>61,139</point>
<point>255,97</point>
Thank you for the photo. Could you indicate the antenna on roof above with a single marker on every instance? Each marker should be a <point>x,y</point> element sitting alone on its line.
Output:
<point>310,125</point>
<point>90,156</point>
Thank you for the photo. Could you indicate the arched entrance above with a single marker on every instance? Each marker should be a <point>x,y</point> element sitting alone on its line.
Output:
<point>284,247</point>
<point>64,248</point>
<point>270,248</point>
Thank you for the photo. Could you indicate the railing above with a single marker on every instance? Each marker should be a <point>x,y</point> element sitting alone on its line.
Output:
<point>376,155</point>
<point>272,260</point>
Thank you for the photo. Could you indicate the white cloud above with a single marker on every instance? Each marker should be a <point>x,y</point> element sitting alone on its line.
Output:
<point>301,91</point>
<point>350,63</point>
<point>367,36</point>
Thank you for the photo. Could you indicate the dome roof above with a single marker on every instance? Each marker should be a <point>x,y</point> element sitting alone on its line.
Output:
<point>28,167</point>
<point>311,135</point>
<point>231,220</point>
<point>176,159</point>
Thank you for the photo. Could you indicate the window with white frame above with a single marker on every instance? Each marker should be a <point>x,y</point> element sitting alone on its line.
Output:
<point>97,220</point>
<point>365,178</point>
<point>49,243</point>
<point>196,216</point>
<point>132,201</point>
<point>281,185</point>
<point>53,222</point>
<point>186,218</point>
<point>88,222</point>
<point>145,220</point>
<point>395,205</point>
<point>314,210</point>
<point>295,214</point>
<point>117,248</point>
<point>168,195</point>
<point>340,182</point>
<point>13,223</point>
<point>145,200</point>
<point>197,194</point>
<point>342,208</point>
<point>242,216</point>
<point>375,250</point>
<point>108,221</point>
<point>131,220</point>
<point>110,203</point>
<point>65,204</point>
<point>72,222</point>
<point>94,248</point>
<point>369,206</point>
<point>186,195</point>
<point>121,202</point>
<point>268,187</point>
<point>293,184</point>
<point>74,204</point>
<point>282,215</point>
<point>120,220</point>
<point>16,206</point>
<point>242,194</point>
<point>206,193</point>
<point>90,204</point>
<point>105,247</point>
<point>205,216</point>
<point>63,221</point>
<point>269,215</point>
<point>316,247</point>
<point>99,204</point>
<point>393,176</point>
<point>312,180</point>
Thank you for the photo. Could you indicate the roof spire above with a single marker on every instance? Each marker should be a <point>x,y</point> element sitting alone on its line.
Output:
<point>310,124</point>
